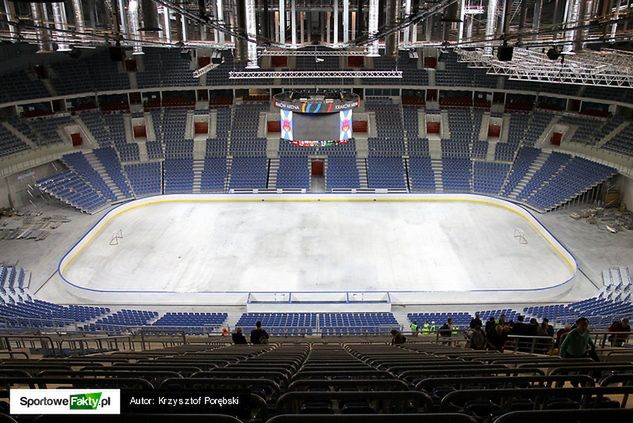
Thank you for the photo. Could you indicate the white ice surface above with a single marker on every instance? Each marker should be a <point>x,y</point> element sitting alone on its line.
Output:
<point>318,246</point>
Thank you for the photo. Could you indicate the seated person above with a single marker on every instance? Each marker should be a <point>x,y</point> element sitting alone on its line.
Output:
<point>238,337</point>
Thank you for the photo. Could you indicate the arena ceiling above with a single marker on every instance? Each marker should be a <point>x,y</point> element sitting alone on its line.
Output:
<point>592,35</point>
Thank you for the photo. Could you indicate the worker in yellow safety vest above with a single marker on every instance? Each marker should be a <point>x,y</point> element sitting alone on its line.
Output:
<point>426,328</point>
<point>432,327</point>
<point>455,330</point>
<point>414,328</point>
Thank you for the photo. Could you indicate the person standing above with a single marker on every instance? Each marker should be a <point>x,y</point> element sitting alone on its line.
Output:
<point>476,321</point>
<point>578,342</point>
<point>414,328</point>
<point>426,328</point>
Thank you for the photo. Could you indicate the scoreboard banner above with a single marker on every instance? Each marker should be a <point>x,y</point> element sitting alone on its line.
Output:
<point>316,102</point>
<point>286,125</point>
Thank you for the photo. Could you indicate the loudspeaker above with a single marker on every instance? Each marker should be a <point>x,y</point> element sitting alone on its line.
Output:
<point>117,54</point>
<point>504,53</point>
<point>553,54</point>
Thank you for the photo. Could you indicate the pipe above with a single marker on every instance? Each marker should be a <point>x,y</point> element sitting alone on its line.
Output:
<point>60,34</point>
<point>406,36</point>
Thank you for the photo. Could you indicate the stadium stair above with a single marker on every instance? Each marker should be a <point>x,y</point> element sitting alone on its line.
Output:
<point>273,171</point>
<point>534,167</point>
<point>613,134</point>
<point>436,165</point>
<point>100,169</point>
<point>198,168</point>
<point>361,165</point>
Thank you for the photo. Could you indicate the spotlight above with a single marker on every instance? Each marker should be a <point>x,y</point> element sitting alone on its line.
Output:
<point>553,54</point>
<point>185,53</point>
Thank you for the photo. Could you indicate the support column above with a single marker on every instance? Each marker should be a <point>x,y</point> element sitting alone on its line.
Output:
<point>469,27</point>
<point>293,22</point>
<point>79,16</point>
<point>60,35</point>
<point>571,17</point>
<point>372,51</point>
<point>183,23</point>
<point>335,42</point>
<point>10,11</point>
<point>251,31</point>
<point>428,28</point>
<point>406,36</point>
<point>460,26</point>
<point>491,22</point>
<point>327,27</point>
<point>41,33</point>
<point>302,20</point>
<point>219,7</point>
<point>536,18</point>
<point>345,21</point>
<point>132,12</point>
<point>122,19</point>
<point>282,21</point>
<point>166,25</point>
<point>353,25</point>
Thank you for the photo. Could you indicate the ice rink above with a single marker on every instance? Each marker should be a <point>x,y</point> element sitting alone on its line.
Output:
<point>309,244</point>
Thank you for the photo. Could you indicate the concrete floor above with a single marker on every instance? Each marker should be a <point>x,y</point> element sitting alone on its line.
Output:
<point>405,241</point>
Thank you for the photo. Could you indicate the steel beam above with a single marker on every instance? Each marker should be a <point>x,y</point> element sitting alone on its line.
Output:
<point>599,68</point>
<point>387,74</point>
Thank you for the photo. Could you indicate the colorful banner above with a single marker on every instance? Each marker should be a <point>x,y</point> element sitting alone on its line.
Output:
<point>286,125</point>
<point>346,125</point>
